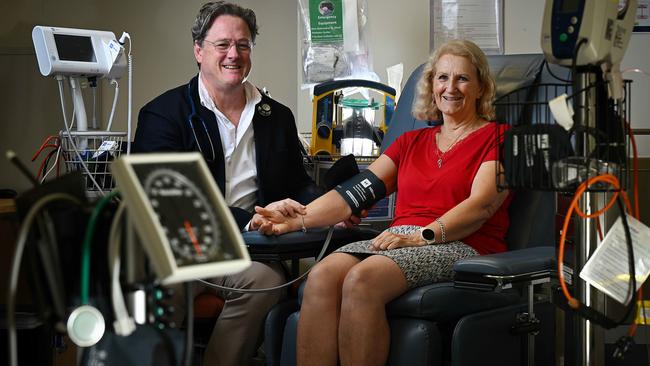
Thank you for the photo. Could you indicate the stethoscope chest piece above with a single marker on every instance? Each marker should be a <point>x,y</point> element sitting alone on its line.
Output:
<point>264,110</point>
<point>85,326</point>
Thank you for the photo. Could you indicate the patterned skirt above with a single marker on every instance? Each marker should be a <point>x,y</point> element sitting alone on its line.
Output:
<point>420,265</point>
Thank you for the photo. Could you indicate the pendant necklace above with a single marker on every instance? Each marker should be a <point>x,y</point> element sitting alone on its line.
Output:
<point>439,151</point>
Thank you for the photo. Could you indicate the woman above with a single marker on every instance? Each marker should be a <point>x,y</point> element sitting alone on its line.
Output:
<point>448,208</point>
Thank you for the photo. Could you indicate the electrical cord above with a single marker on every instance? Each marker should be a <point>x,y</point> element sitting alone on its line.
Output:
<point>15,266</point>
<point>326,244</point>
<point>574,59</point>
<point>635,184</point>
<point>86,245</point>
<point>548,68</point>
<point>129,59</point>
<point>117,93</point>
<point>46,143</point>
<point>56,165</point>
<point>124,324</point>
<point>613,181</point>
<point>43,169</point>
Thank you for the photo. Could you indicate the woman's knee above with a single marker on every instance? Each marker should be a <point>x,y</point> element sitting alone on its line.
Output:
<point>375,281</point>
<point>358,283</point>
<point>321,278</point>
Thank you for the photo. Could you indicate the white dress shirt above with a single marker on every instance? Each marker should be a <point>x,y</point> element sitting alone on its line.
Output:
<point>238,148</point>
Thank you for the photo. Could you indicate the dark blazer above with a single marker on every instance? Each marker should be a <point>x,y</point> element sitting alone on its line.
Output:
<point>164,125</point>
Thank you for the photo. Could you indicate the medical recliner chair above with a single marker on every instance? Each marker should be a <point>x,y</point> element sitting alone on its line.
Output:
<point>489,314</point>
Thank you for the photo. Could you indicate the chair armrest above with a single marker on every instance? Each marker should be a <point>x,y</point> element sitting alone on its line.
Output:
<point>443,302</point>
<point>494,271</point>
<point>300,245</point>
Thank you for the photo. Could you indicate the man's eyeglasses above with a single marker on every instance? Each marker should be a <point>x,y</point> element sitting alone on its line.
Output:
<point>223,45</point>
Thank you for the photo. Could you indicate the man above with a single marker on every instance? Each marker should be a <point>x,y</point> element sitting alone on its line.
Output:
<point>251,146</point>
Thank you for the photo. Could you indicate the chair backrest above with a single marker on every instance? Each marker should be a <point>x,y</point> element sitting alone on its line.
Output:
<point>532,219</point>
<point>403,120</point>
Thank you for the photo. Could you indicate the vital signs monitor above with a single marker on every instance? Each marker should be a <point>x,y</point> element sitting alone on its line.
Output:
<point>77,52</point>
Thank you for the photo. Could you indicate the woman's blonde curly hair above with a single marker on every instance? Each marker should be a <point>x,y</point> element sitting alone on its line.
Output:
<point>424,106</point>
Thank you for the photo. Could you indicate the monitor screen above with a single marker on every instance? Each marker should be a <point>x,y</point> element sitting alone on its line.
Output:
<point>74,48</point>
<point>570,6</point>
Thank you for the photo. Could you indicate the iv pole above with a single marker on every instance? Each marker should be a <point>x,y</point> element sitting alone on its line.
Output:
<point>589,338</point>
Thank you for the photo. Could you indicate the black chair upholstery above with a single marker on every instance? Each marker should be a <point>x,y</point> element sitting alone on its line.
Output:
<point>476,319</point>
<point>297,245</point>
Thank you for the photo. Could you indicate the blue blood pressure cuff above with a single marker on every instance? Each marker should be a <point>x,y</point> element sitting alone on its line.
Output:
<point>362,191</point>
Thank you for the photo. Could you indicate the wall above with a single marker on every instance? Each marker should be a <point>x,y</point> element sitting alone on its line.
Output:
<point>163,57</point>
<point>29,102</point>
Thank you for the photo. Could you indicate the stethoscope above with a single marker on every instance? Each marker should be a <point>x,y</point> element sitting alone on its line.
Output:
<point>263,109</point>
<point>192,115</point>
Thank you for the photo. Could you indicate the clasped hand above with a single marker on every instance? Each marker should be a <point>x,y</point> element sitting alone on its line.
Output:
<point>285,216</point>
<point>275,213</point>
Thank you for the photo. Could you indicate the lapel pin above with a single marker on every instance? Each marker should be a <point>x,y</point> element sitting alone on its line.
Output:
<point>264,109</point>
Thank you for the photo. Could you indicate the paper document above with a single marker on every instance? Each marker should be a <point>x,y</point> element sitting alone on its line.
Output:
<point>608,268</point>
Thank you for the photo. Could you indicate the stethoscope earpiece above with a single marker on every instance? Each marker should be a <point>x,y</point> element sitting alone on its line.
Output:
<point>86,326</point>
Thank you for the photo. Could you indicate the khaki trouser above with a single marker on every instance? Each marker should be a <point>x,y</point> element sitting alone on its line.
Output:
<point>239,329</point>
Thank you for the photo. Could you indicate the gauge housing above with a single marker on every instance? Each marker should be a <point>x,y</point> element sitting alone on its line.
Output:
<point>180,216</point>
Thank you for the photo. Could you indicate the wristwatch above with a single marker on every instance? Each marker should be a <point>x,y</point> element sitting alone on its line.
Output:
<point>428,235</point>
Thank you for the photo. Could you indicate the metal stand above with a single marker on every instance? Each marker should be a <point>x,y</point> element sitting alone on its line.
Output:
<point>592,113</point>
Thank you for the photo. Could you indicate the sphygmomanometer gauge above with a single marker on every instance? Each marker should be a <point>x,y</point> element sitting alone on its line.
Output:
<point>186,217</point>
<point>180,216</point>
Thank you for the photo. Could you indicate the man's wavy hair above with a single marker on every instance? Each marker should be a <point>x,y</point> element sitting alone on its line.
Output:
<point>424,106</point>
<point>210,11</point>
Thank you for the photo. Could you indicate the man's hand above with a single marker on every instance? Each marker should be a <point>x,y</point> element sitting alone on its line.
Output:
<point>286,207</point>
<point>272,222</point>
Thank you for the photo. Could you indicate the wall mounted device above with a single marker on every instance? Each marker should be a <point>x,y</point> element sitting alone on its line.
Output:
<point>183,222</point>
<point>78,52</point>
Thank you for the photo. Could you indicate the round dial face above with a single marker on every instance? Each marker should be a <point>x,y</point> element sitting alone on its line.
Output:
<point>186,217</point>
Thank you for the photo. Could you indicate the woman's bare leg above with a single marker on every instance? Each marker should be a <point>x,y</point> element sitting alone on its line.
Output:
<point>364,335</point>
<point>319,314</point>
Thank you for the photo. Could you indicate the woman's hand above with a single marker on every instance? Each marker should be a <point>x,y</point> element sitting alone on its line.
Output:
<point>286,207</point>
<point>387,241</point>
<point>273,222</point>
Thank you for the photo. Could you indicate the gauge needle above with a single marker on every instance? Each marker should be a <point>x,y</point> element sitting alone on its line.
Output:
<point>190,232</point>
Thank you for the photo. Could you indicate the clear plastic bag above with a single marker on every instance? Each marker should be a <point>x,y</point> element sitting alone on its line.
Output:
<point>334,41</point>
